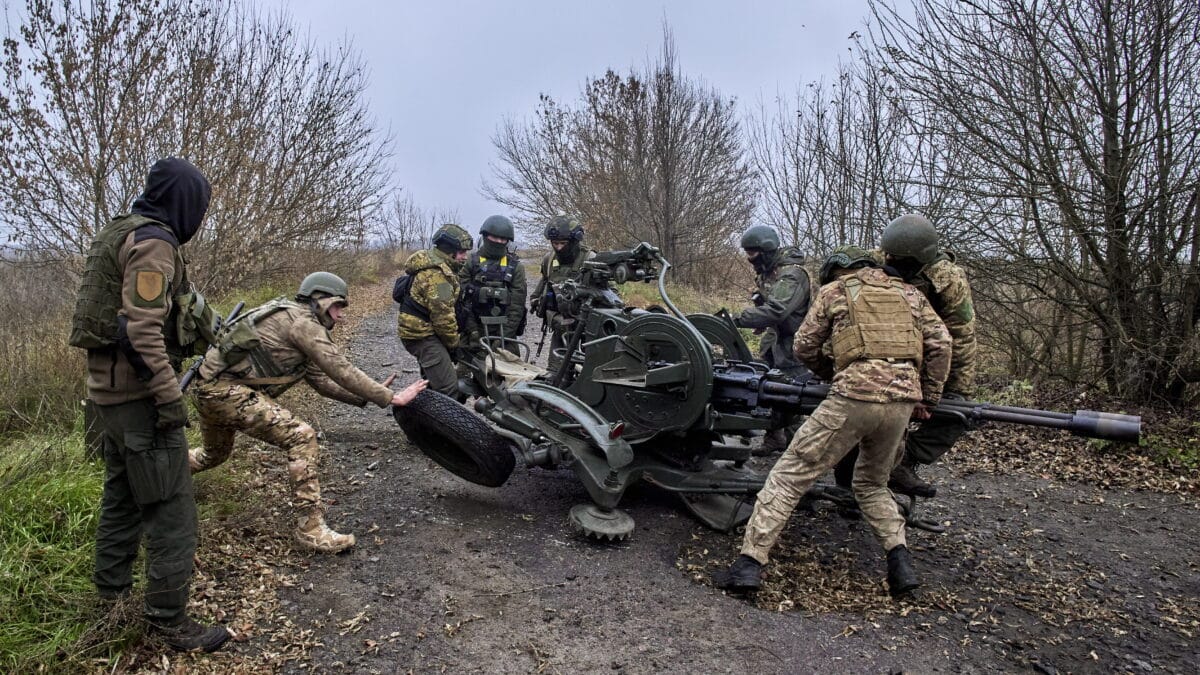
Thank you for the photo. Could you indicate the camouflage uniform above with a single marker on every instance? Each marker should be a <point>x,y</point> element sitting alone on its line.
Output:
<point>784,288</point>
<point>870,402</point>
<point>432,338</point>
<point>945,284</point>
<point>294,346</point>
<point>544,302</point>
<point>127,317</point>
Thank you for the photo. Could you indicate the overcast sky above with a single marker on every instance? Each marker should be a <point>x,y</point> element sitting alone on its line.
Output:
<point>444,74</point>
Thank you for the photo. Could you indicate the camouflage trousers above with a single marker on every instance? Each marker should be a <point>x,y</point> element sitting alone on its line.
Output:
<point>227,408</point>
<point>832,430</point>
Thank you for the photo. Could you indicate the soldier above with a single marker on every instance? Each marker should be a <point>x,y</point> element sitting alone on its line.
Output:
<point>910,246</point>
<point>890,355</point>
<point>427,325</point>
<point>563,262</point>
<point>779,307</point>
<point>127,316</point>
<point>260,356</point>
<point>493,282</point>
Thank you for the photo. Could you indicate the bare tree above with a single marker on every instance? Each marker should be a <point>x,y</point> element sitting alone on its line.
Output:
<point>650,156</point>
<point>1078,125</point>
<point>94,92</point>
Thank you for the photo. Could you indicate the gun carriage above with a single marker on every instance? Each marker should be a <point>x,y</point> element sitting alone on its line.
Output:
<point>637,395</point>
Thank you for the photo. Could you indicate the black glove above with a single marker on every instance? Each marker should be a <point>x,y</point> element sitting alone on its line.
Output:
<point>171,416</point>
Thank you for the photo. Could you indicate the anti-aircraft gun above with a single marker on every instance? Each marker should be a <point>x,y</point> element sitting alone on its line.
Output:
<point>664,398</point>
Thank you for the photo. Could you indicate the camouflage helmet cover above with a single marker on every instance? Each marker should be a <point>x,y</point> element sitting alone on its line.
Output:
<point>761,237</point>
<point>563,227</point>
<point>451,238</point>
<point>325,283</point>
<point>845,257</point>
<point>910,236</point>
<point>498,226</point>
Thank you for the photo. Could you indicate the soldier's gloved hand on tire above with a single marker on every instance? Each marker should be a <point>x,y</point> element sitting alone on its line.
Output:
<point>171,416</point>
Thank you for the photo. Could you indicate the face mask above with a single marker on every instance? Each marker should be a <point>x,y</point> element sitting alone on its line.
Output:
<point>567,255</point>
<point>762,262</point>
<point>491,249</point>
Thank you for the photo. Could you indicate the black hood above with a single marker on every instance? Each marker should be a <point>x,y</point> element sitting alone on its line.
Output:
<point>176,195</point>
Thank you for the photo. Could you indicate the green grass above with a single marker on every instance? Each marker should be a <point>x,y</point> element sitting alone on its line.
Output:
<point>49,501</point>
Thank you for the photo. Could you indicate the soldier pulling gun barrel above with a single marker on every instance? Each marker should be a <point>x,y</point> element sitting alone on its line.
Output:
<point>634,395</point>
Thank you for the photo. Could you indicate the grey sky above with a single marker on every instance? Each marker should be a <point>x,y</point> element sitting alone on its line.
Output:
<point>444,74</point>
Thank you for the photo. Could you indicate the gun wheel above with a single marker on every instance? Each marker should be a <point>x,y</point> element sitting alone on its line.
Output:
<point>456,438</point>
<point>600,524</point>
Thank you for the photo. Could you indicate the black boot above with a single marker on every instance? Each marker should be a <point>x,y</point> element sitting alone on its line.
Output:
<point>904,480</point>
<point>189,636</point>
<point>901,578</point>
<point>745,574</point>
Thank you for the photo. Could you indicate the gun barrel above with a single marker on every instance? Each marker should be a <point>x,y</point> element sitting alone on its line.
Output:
<point>803,398</point>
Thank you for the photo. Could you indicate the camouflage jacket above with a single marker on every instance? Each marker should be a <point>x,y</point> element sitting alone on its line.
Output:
<point>785,292</point>
<point>435,287</point>
<point>555,272</point>
<point>875,380</point>
<point>299,345</point>
<point>945,284</point>
<point>151,270</point>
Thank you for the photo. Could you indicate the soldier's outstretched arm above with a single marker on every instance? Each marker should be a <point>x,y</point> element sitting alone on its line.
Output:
<point>935,362</point>
<point>516,300</point>
<point>327,361</point>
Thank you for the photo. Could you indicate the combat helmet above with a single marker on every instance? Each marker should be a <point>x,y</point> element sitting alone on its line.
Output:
<point>910,236</point>
<point>845,257</point>
<point>326,283</point>
<point>498,226</point>
<point>762,238</point>
<point>563,227</point>
<point>451,238</point>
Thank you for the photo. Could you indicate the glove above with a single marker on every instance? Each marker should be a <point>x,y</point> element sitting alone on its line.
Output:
<point>535,305</point>
<point>171,416</point>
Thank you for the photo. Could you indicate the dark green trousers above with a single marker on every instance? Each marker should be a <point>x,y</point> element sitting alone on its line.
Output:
<point>436,365</point>
<point>933,438</point>
<point>147,491</point>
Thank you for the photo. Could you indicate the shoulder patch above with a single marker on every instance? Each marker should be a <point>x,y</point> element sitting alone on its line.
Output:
<point>149,288</point>
<point>444,291</point>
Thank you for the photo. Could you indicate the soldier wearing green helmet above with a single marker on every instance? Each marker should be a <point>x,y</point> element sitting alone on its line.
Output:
<point>909,244</point>
<point>780,304</point>
<point>564,261</point>
<point>427,324</point>
<point>885,353</point>
<point>262,354</point>
<point>493,286</point>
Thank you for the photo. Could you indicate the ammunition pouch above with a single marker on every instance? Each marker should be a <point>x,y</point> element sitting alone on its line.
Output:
<point>194,323</point>
<point>237,341</point>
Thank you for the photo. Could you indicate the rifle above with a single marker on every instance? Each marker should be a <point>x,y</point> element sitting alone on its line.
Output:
<point>195,367</point>
<point>542,310</point>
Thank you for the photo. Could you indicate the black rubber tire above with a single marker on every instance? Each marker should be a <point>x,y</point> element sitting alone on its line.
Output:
<point>456,438</point>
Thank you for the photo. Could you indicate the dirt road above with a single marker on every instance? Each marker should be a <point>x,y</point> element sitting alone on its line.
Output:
<point>448,576</point>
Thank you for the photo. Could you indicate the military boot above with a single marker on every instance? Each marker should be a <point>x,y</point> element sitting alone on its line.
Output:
<point>189,635</point>
<point>901,578</point>
<point>773,443</point>
<point>745,574</point>
<point>904,480</point>
<point>312,533</point>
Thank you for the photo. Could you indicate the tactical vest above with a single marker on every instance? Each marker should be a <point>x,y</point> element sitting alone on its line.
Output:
<point>94,324</point>
<point>880,325</point>
<point>239,342</point>
<point>488,289</point>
